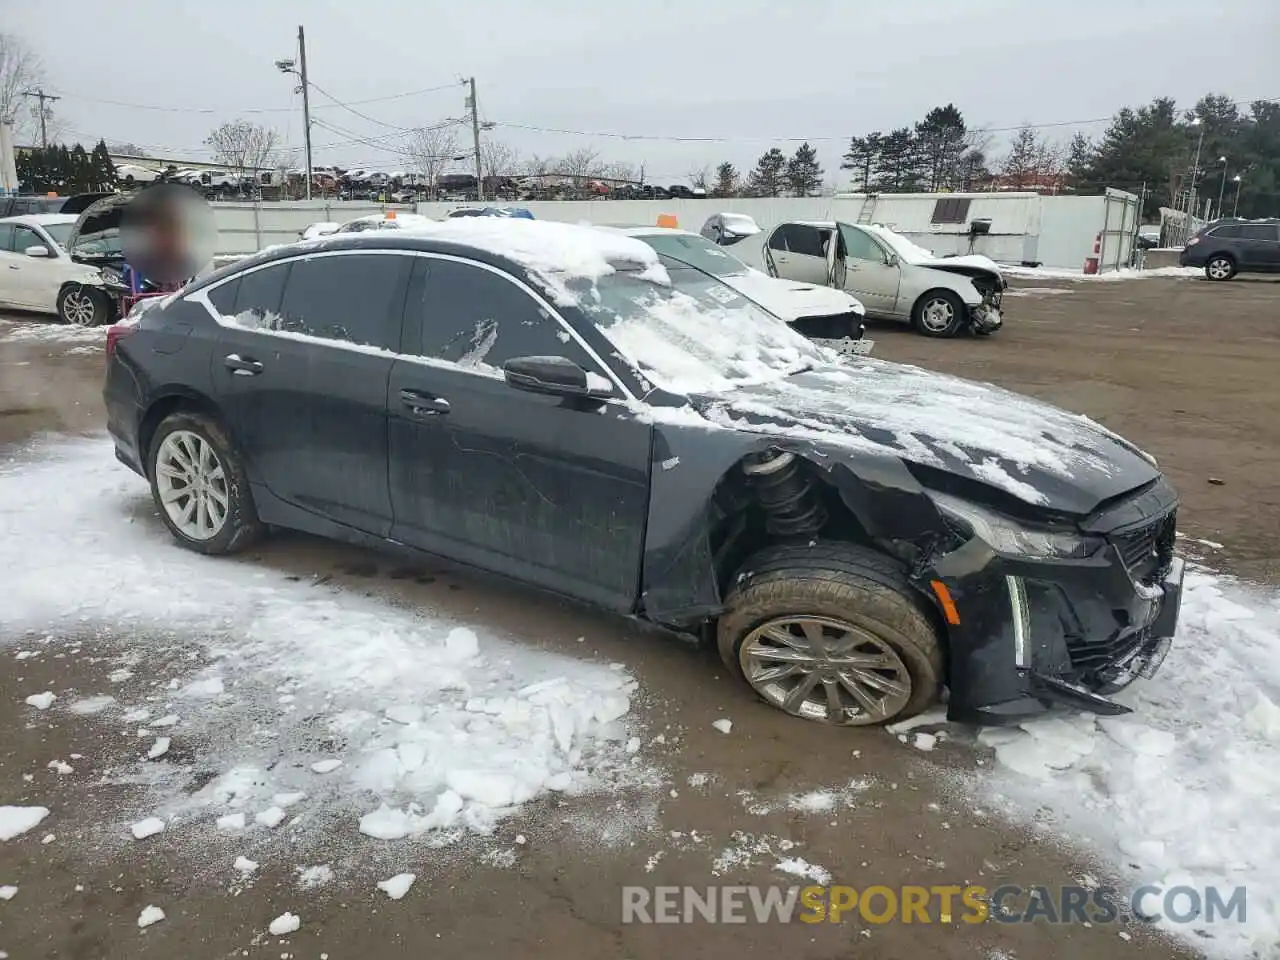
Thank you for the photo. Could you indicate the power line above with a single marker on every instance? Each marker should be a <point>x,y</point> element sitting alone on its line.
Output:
<point>228,110</point>
<point>609,134</point>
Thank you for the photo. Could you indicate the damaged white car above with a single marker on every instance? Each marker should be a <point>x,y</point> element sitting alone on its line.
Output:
<point>892,277</point>
<point>829,317</point>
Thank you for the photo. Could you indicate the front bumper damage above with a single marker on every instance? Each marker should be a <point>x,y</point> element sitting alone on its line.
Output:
<point>1036,634</point>
<point>987,317</point>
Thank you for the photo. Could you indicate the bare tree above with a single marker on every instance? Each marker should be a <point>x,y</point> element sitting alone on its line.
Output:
<point>622,171</point>
<point>19,69</point>
<point>699,177</point>
<point>580,166</point>
<point>433,150</point>
<point>538,166</point>
<point>498,159</point>
<point>243,146</point>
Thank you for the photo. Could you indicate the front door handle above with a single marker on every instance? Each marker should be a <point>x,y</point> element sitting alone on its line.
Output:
<point>14,266</point>
<point>424,404</point>
<point>242,366</point>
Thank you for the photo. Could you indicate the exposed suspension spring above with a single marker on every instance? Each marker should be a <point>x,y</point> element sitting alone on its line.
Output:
<point>792,507</point>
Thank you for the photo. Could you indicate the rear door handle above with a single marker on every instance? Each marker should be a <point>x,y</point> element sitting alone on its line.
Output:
<point>423,404</point>
<point>242,366</point>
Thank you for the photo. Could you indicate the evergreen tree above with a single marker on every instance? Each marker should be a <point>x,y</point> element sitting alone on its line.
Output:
<point>726,184</point>
<point>767,179</point>
<point>804,173</point>
<point>899,166</point>
<point>863,159</point>
<point>940,142</point>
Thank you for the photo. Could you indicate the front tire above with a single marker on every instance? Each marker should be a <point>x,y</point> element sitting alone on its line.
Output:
<point>832,633</point>
<point>83,306</point>
<point>1219,267</point>
<point>200,486</point>
<point>939,313</point>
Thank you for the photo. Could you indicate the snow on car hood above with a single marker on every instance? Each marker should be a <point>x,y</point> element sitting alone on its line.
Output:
<point>1038,453</point>
<point>789,299</point>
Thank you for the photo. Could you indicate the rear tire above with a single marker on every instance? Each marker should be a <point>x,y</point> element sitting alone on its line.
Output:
<point>833,633</point>
<point>200,486</point>
<point>1219,267</point>
<point>83,306</point>
<point>939,313</point>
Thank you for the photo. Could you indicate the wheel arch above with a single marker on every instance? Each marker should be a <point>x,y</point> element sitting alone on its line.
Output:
<point>173,398</point>
<point>704,521</point>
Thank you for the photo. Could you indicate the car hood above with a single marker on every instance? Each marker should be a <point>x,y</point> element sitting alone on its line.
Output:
<point>1037,453</point>
<point>790,299</point>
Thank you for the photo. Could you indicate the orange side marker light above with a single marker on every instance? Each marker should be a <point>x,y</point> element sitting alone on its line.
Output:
<point>948,605</point>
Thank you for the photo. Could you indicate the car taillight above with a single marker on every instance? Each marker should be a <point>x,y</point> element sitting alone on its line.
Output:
<point>115,332</point>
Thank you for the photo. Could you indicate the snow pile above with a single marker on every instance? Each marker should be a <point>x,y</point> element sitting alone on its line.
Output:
<point>310,698</point>
<point>1185,789</point>
<point>34,331</point>
<point>1124,273</point>
<point>555,253</point>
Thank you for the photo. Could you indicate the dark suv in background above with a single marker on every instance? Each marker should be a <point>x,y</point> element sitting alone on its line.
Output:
<point>1228,247</point>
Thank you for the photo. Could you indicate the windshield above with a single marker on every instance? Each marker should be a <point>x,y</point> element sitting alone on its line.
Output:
<point>696,252</point>
<point>696,335</point>
<point>61,232</point>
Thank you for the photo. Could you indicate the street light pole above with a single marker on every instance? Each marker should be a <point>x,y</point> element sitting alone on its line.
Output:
<point>1195,173</point>
<point>1222,188</point>
<point>1235,208</point>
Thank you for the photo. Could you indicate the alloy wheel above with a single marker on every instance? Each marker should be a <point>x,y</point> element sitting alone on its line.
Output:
<point>78,308</point>
<point>937,315</point>
<point>1219,269</point>
<point>821,668</point>
<point>192,485</point>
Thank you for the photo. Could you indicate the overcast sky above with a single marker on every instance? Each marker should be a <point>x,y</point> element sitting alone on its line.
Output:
<point>750,71</point>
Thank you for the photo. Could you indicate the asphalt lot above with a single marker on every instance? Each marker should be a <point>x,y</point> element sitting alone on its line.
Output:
<point>1184,368</point>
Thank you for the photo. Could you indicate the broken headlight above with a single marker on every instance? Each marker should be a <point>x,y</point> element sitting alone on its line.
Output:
<point>1011,537</point>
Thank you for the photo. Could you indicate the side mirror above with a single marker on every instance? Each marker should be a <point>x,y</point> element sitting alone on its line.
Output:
<point>556,376</point>
<point>892,260</point>
<point>38,250</point>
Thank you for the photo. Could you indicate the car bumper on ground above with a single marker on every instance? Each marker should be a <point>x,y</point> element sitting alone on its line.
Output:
<point>1034,634</point>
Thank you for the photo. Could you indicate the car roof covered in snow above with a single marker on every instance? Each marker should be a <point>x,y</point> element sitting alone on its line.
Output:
<point>542,251</point>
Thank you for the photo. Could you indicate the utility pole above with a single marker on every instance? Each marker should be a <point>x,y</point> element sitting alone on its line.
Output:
<point>40,95</point>
<point>475,134</point>
<point>306,102</point>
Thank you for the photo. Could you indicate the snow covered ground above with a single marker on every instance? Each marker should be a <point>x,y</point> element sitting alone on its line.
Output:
<point>40,329</point>
<point>315,706</point>
<point>1186,790</point>
<point>1057,273</point>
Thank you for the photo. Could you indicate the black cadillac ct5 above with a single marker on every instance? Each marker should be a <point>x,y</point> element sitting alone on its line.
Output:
<point>563,406</point>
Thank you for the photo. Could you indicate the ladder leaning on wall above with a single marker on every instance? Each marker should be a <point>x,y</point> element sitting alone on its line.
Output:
<point>868,208</point>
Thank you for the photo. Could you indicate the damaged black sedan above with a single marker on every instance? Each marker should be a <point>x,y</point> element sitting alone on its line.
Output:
<point>561,406</point>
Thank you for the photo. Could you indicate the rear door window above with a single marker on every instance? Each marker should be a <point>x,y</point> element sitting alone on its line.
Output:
<point>259,296</point>
<point>804,240</point>
<point>353,297</point>
<point>1258,231</point>
<point>1229,232</point>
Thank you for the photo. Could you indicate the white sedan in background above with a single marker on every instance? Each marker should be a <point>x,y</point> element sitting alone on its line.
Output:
<point>36,272</point>
<point>817,312</point>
